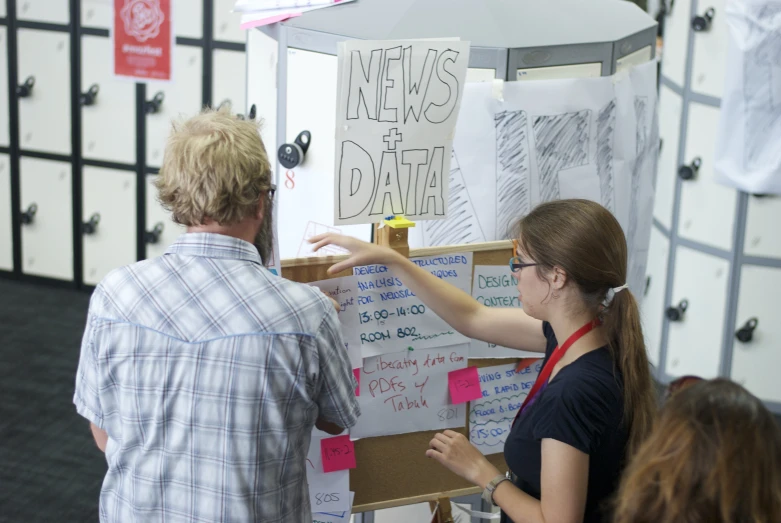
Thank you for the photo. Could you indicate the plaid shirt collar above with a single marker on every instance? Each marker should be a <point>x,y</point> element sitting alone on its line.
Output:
<point>213,245</point>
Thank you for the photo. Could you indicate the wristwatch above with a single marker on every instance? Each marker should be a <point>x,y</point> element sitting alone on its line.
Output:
<point>488,492</point>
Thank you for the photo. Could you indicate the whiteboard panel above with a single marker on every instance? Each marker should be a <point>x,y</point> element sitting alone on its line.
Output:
<point>755,364</point>
<point>6,230</point>
<point>47,242</point>
<point>306,193</point>
<point>676,33</point>
<point>156,214</point>
<point>694,343</point>
<point>710,52</point>
<point>557,72</point>
<point>229,79</point>
<point>707,212</point>
<point>762,227</point>
<point>262,52</point>
<point>478,74</point>
<point>112,195</point>
<point>652,306</point>
<point>51,11</point>
<point>4,117</point>
<point>670,107</point>
<point>226,23</point>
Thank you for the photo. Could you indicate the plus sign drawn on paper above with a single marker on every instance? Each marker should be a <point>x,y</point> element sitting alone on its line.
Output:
<point>394,137</point>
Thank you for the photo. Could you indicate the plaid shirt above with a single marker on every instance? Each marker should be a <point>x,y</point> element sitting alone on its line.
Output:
<point>208,372</point>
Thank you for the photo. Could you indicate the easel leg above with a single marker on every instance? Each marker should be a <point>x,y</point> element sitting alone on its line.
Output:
<point>443,513</point>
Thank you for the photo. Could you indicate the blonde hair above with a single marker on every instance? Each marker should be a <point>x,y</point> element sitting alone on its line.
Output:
<point>215,166</point>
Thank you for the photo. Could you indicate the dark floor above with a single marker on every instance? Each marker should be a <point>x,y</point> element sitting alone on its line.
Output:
<point>50,468</point>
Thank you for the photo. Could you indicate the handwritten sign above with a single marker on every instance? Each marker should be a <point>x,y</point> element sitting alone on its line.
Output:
<point>408,392</point>
<point>464,385</point>
<point>495,286</point>
<point>338,453</point>
<point>398,103</point>
<point>391,318</point>
<point>328,492</point>
<point>503,391</point>
<point>334,517</point>
<point>345,292</point>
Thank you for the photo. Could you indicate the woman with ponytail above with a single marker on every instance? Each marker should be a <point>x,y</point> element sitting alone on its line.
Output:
<point>593,401</point>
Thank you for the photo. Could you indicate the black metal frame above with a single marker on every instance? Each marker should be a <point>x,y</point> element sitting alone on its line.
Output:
<point>76,31</point>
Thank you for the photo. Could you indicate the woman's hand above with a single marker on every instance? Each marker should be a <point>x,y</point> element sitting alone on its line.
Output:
<point>361,253</point>
<point>454,451</point>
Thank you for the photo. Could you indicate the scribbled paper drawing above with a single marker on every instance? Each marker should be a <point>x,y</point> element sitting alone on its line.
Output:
<point>461,226</point>
<point>606,124</point>
<point>513,194</point>
<point>562,142</point>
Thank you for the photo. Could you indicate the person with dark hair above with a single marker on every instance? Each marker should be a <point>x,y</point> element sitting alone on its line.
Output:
<point>713,456</point>
<point>594,398</point>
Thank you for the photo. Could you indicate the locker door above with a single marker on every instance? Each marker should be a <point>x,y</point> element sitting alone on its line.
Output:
<point>44,115</point>
<point>762,219</point>
<point>229,80</point>
<point>4,117</point>
<point>188,18</point>
<point>51,11</point>
<point>652,308</point>
<point>262,52</point>
<point>2,9</point>
<point>694,341</point>
<point>108,221</point>
<point>707,212</point>
<point>670,107</point>
<point>226,24</point>
<point>47,240</point>
<point>676,34</point>
<point>97,13</point>
<point>710,51</point>
<point>755,363</point>
<point>312,108</point>
<point>109,123</point>
<point>182,97</point>
<point>161,230</point>
<point>6,231</point>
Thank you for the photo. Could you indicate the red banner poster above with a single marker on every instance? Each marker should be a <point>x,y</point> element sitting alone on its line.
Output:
<point>142,39</point>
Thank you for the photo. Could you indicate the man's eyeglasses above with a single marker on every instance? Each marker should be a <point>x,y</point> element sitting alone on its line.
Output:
<point>272,191</point>
<point>516,264</point>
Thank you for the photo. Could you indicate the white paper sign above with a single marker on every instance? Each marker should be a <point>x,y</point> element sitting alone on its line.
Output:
<point>408,392</point>
<point>334,517</point>
<point>495,286</point>
<point>328,492</point>
<point>504,390</point>
<point>398,102</point>
<point>345,291</point>
<point>391,318</point>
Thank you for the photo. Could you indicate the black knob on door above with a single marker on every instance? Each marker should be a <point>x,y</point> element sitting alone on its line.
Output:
<point>153,105</point>
<point>90,96</point>
<point>91,226</point>
<point>675,312</point>
<point>28,215</point>
<point>153,236</point>
<point>26,89</point>
<point>688,172</point>
<point>746,332</point>
<point>703,23</point>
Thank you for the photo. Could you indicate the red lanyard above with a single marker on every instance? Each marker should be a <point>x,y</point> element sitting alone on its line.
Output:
<point>555,357</point>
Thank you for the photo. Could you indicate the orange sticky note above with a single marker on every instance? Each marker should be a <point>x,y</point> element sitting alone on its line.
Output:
<point>338,453</point>
<point>357,374</point>
<point>464,385</point>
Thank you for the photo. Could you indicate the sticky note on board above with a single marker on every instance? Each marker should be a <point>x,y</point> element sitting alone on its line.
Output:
<point>464,385</point>
<point>357,374</point>
<point>338,453</point>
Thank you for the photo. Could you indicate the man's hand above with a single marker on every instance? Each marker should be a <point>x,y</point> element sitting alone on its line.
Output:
<point>336,303</point>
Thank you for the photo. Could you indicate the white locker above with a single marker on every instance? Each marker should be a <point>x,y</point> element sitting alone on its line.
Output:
<point>755,363</point>
<point>694,342</point>
<point>97,13</point>
<point>2,9</point>
<point>710,51</point>
<point>6,230</point>
<point>108,221</point>
<point>226,23</point>
<point>182,98</point>
<point>45,114</point>
<point>109,121</point>
<point>47,240</point>
<point>4,117</point>
<point>262,52</point>
<point>676,34</point>
<point>707,208</point>
<point>229,80</point>
<point>161,230</point>
<point>304,186</point>
<point>670,107</point>
<point>652,307</point>
<point>50,11</point>
<point>187,16</point>
<point>762,221</point>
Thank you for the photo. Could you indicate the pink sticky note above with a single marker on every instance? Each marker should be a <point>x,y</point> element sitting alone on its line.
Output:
<point>357,374</point>
<point>338,453</point>
<point>464,385</point>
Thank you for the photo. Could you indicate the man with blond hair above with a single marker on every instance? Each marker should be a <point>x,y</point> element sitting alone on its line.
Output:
<point>201,372</point>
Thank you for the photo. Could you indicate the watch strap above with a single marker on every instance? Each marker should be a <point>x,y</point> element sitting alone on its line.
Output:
<point>488,492</point>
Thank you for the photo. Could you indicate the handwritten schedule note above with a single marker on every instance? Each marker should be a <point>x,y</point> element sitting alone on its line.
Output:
<point>338,453</point>
<point>464,385</point>
<point>328,491</point>
<point>408,392</point>
<point>495,286</point>
<point>503,392</point>
<point>345,292</point>
<point>391,318</point>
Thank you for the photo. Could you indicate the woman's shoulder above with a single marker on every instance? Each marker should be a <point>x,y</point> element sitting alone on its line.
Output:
<point>592,377</point>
